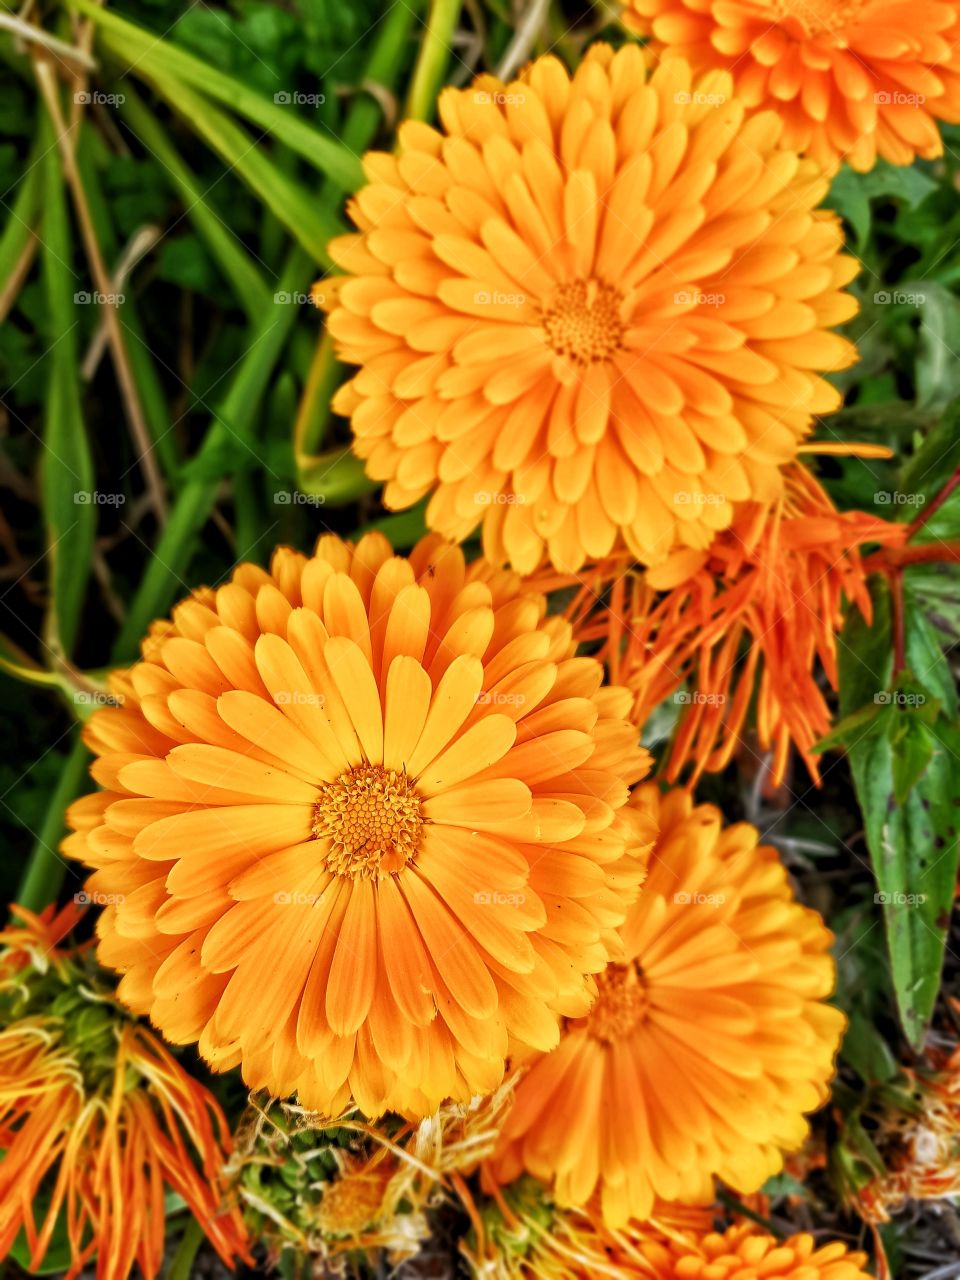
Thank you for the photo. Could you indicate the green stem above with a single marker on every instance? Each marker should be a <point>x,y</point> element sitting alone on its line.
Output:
<point>336,478</point>
<point>181,1268</point>
<point>234,422</point>
<point>431,68</point>
<point>46,868</point>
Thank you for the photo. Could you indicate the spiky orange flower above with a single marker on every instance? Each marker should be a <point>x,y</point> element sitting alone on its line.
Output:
<point>363,818</point>
<point>590,308</point>
<point>97,1122</point>
<point>705,1049</point>
<point>747,626</point>
<point>851,80</point>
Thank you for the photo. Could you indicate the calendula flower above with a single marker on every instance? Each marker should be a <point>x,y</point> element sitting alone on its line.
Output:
<point>743,1253</point>
<point>851,81</point>
<point>96,1115</point>
<point>747,626</point>
<point>589,309</point>
<point>363,819</point>
<point>708,1044</point>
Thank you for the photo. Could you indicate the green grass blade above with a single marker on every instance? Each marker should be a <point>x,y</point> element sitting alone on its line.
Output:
<point>164,577</point>
<point>66,467</point>
<point>47,867</point>
<point>20,229</point>
<point>149,56</point>
<point>249,285</point>
<point>297,208</point>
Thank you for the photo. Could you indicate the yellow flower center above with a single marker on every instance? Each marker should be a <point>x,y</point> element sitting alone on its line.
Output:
<point>816,16</point>
<point>350,1204</point>
<point>371,816</point>
<point>621,1004</point>
<point>583,321</point>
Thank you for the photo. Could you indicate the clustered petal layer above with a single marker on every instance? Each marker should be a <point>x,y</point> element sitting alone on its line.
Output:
<point>852,80</point>
<point>363,817</point>
<point>707,1045</point>
<point>593,308</point>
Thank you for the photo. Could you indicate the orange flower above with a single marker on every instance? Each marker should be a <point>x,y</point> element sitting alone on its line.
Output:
<point>744,1254</point>
<point>851,81</point>
<point>676,1247</point>
<point>749,623</point>
<point>96,1112</point>
<point>364,817</point>
<point>704,1050</point>
<point>592,308</point>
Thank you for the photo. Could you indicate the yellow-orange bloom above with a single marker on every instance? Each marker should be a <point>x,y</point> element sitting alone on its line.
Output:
<point>744,1254</point>
<point>676,1247</point>
<point>97,1122</point>
<point>852,81</point>
<point>747,626</point>
<point>705,1048</point>
<point>590,309</point>
<point>364,817</point>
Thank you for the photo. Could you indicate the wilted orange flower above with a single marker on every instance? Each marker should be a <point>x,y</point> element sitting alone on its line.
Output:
<point>744,1254</point>
<point>748,624</point>
<point>95,1112</point>
<point>363,818</point>
<point>590,309</point>
<point>851,80</point>
<point>705,1048</point>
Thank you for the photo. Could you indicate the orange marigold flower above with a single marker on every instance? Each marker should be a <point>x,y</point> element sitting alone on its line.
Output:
<point>677,1247</point>
<point>96,1114</point>
<point>749,623</point>
<point>706,1046</point>
<point>590,308</point>
<point>744,1254</point>
<point>851,81</point>
<point>364,817</point>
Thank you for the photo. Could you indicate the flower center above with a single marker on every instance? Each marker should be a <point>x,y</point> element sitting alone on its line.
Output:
<point>350,1204</point>
<point>583,321</point>
<point>814,17</point>
<point>621,1004</point>
<point>371,816</point>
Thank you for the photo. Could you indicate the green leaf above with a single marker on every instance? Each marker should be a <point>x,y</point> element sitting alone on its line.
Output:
<point>867,1052</point>
<point>154,58</point>
<point>851,193</point>
<point>937,367</point>
<point>907,779</point>
<point>66,468</point>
